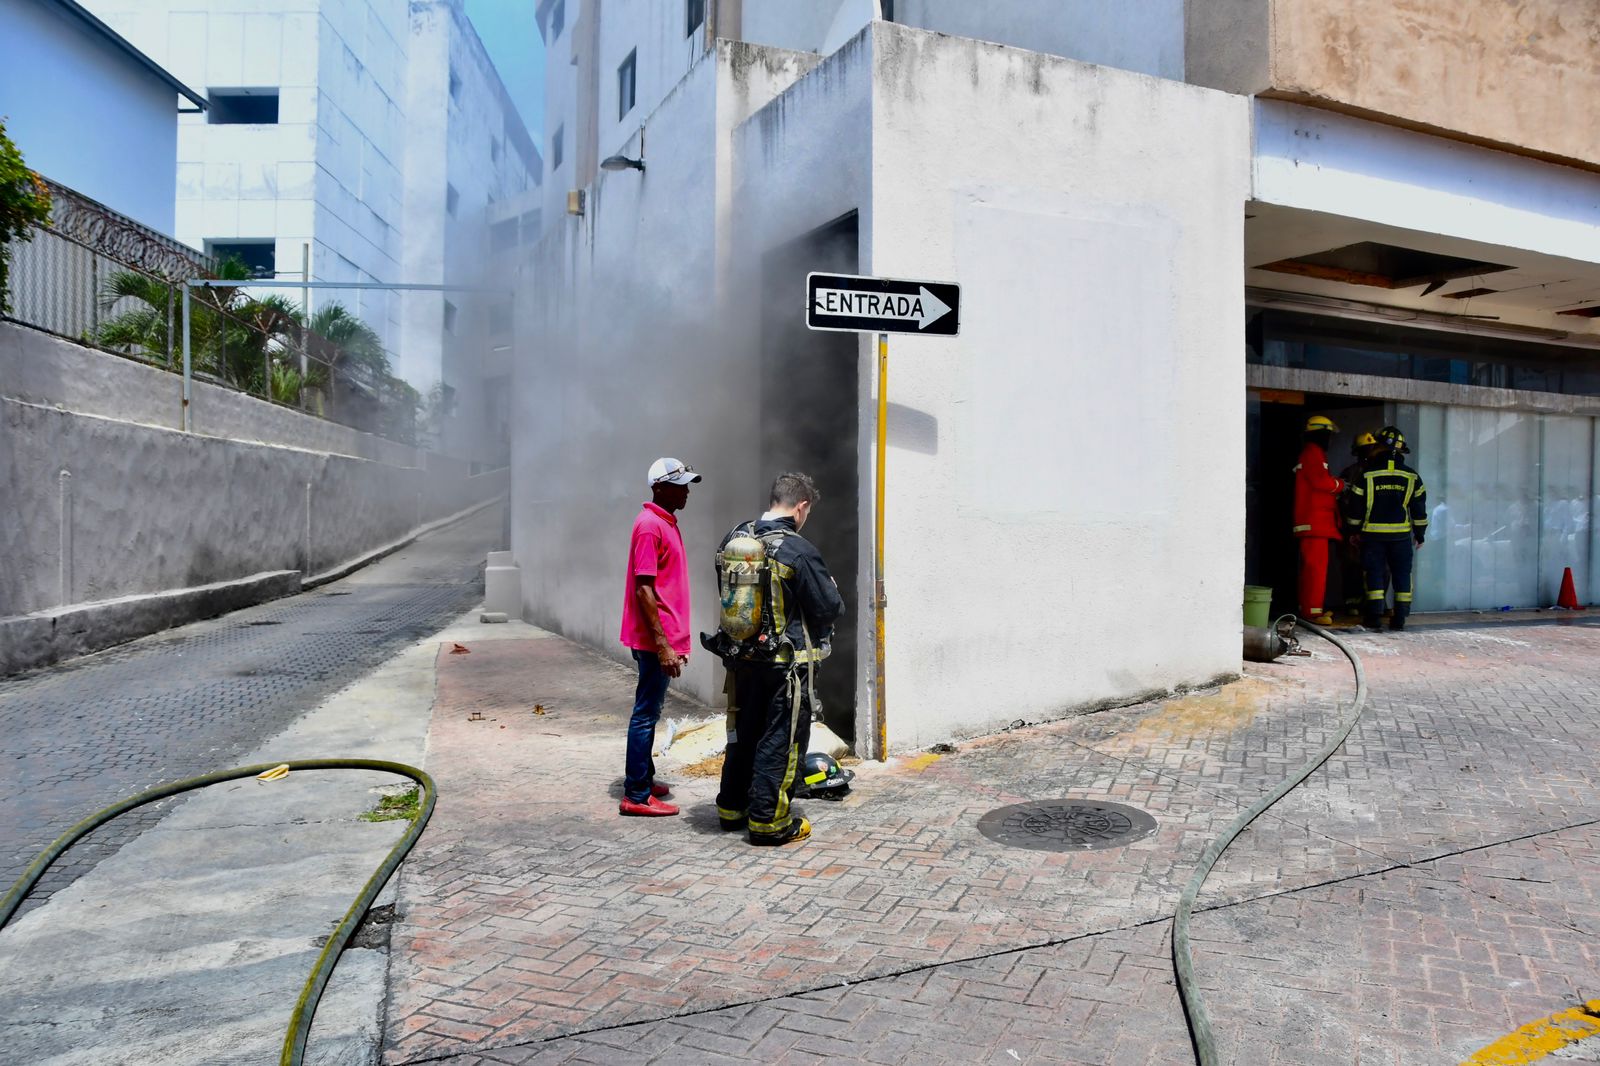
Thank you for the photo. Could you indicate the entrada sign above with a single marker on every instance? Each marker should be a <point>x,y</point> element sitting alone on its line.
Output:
<point>854,304</point>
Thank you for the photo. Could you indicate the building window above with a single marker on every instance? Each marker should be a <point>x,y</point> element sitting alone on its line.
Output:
<point>625,83</point>
<point>555,149</point>
<point>256,255</point>
<point>455,85</point>
<point>558,16</point>
<point>494,149</point>
<point>242,107</point>
<point>694,16</point>
<point>452,199</point>
<point>449,317</point>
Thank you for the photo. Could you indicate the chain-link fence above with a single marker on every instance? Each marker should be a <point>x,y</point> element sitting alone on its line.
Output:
<point>333,366</point>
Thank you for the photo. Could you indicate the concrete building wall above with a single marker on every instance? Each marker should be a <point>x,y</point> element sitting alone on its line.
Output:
<point>461,151</point>
<point>87,114</point>
<point>1147,37</point>
<point>1515,74</point>
<point>628,353</point>
<point>1102,298</point>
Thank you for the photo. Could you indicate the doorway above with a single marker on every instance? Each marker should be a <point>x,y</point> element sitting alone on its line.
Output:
<point>1275,423</point>
<point>810,419</point>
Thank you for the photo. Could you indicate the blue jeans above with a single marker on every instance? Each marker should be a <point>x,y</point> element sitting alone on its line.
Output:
<point>647,700</point>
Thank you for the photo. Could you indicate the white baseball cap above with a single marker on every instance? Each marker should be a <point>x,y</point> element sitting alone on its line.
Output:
<point>671,472</point>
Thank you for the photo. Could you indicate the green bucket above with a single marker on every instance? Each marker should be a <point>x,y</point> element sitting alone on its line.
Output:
<point>1257,606</point>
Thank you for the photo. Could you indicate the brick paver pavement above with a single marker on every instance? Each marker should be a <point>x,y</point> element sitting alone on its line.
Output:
<point>76,737</point>
<point>1430,889</point>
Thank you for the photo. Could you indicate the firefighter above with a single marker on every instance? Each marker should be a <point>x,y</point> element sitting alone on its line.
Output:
<point>1386,513</point>
<point>1351,578</point>
<point>1316,516</point>
<point>779,605</point>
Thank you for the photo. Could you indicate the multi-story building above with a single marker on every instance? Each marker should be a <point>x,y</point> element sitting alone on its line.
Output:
<point>89,110</point>
<point>1179,229</point>
<point>369,135</point>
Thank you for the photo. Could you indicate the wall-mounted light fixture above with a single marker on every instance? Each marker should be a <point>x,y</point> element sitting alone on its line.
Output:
<point>622,162</point>
<point>575,202</point>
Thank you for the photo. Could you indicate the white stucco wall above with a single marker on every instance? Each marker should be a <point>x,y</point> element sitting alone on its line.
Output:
<point>1147,36</point>
<point>1066,542</point>
<point>86,113</point>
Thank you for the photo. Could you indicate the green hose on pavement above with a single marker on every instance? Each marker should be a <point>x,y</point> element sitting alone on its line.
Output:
<point>294,1042</point>
<point>1194,1008</point>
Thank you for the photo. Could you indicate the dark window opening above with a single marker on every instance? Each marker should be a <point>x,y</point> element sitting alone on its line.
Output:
<point>257,256</point>
<point>1351,346</point>
<point>1384,266</point>
<point>694,16</point>
<point>1583,312</point>
<point>452,199</point>
<point>455,86</point>
<point>625,83</point>
<point>555,149</point>
<point>242,107</point>
<point>449,317</point>
<point>494,150</point>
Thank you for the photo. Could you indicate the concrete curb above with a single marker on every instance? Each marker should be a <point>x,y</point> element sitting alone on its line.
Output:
<point>33,640</point>
<point>345,569</point>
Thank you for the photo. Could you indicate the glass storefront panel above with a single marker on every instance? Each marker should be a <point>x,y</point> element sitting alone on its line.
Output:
<point>1510,497</point>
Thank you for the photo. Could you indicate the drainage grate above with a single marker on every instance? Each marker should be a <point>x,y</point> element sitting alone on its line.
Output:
<point>1066,825</point>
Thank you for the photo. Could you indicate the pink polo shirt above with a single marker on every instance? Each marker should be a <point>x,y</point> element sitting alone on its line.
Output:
<point>657,549</point>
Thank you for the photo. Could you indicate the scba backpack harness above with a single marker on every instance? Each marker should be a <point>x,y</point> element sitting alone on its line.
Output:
<point>754,617</point>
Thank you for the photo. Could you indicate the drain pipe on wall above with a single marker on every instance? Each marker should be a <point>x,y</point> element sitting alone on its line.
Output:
<point>308,529</point>
<point>64,571</point>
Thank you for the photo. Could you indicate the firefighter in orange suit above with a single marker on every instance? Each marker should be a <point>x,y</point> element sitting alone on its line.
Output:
<point>1316,516</point>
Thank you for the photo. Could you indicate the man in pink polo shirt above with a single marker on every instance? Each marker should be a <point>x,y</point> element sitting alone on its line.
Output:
<point>655,624</point>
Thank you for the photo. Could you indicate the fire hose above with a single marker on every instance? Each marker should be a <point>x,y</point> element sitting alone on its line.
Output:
<point>1194,1007</point>
<point>294,1041</point>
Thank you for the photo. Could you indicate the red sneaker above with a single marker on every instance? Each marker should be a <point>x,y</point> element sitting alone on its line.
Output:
<point>659,790</point>
<point>650,808</point>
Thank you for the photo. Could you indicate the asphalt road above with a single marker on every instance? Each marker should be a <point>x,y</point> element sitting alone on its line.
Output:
<point>84,734</point>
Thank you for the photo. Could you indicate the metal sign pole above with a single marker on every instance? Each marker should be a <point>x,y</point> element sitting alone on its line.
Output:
<point>880,705</point>
<point>856,303</point>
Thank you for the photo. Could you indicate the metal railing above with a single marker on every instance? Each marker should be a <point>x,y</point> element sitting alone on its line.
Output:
<point>63,284</point>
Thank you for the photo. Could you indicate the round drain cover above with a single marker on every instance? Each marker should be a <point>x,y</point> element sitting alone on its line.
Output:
<point>1066,825</point>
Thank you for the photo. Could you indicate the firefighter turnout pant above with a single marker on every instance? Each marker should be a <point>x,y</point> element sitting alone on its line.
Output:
<point>1313,574</point>
<point>769,730</point>
<point>1385,562</point>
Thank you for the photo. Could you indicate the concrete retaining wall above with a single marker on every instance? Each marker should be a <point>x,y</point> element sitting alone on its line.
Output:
<point>113,527</point>
<point>40,368</point>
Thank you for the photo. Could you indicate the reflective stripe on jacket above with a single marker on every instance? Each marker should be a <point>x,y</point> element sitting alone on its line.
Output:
<point>1316,495</point>
<point>1388,502</point>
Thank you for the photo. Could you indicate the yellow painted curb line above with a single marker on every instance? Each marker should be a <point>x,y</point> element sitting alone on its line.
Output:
<point>1537,1039</point>
<point>922,762</point>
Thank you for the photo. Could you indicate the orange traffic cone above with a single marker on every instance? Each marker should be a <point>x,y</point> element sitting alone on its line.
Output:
<point>1568,600</point>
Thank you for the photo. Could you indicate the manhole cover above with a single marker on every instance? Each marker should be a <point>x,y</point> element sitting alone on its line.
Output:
<point>1066,825</point>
